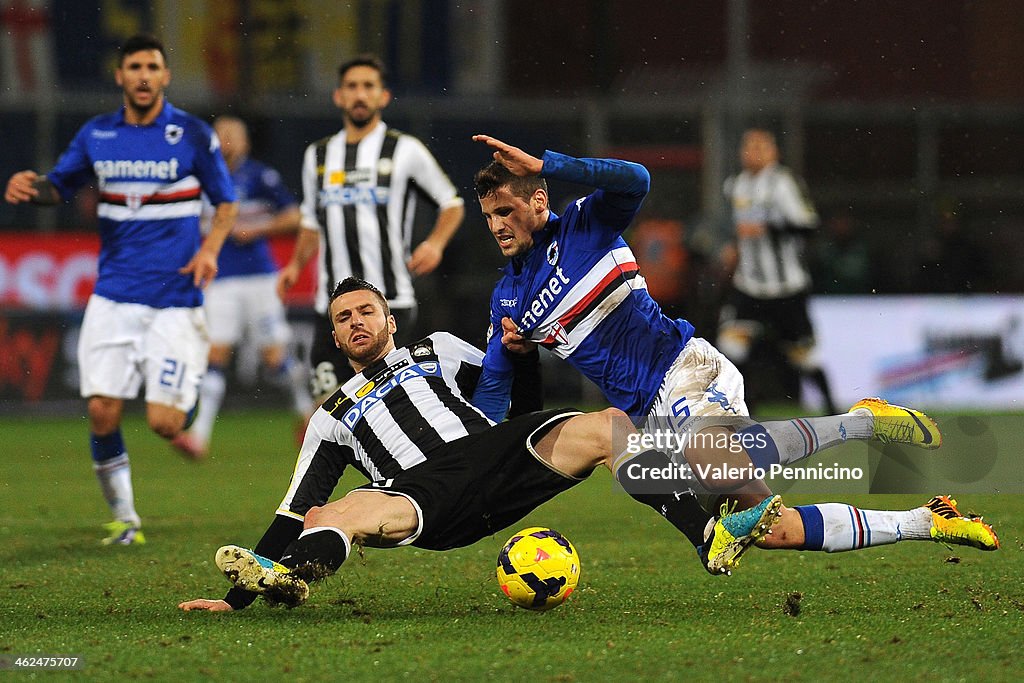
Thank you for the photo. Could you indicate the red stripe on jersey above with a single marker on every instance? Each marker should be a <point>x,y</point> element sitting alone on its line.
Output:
<point>567,318</point>
<point>157,198</point>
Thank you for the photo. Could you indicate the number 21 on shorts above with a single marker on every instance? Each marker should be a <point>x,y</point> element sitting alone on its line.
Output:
<point>172,374</point>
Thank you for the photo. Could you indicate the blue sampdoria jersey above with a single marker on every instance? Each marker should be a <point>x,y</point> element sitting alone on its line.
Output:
<point>150,180</point>
<point>261,195</point>
<point>578,293</point>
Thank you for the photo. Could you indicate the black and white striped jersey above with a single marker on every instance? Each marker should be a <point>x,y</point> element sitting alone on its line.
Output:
<point>773,265</point>
<point>362,199</point>
<point>394,415</point>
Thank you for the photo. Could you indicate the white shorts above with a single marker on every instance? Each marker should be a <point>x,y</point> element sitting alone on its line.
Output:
<point>700,386</point>
<point>246,306</point>
<point>121,345</point>
<point>701,389</point>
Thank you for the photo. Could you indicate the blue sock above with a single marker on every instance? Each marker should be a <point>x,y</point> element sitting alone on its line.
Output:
<point>106,447</point>
<point>759,445</point>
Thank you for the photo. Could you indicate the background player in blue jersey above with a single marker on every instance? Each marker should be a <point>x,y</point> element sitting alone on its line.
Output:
<point>243,302</point>
<point>144,322</point>
<point>572,285</point>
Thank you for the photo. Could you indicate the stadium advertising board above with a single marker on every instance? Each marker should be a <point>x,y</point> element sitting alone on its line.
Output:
<point>47,272</point>
<point>930,351</point>
<point>45,282</point>
<point>56,272</point>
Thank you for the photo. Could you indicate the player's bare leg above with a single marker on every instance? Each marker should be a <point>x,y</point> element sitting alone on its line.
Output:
<point>363,517</point>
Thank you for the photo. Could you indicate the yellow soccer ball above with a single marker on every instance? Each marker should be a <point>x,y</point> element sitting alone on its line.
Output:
<point>538,568</point>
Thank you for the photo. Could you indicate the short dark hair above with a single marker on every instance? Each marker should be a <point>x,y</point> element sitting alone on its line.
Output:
<point>140,42</point>
<point>494,176</point>
<point>357,284</point>
<point>365,59</point>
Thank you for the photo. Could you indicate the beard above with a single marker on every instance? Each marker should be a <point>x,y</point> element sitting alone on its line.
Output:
<point>367,353</point>
<point>361,120</point>
<point>143,108</point>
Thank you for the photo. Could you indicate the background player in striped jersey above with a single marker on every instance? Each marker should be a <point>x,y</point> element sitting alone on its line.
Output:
<point>241,303</point>
<point>773,216</point>
<point>572,285</point>
<point>360,188</point>
<point>144,321</point>
<point>441,474</point>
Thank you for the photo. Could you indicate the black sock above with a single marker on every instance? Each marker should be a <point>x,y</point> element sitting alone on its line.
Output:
<point>680,508</point>
<point>317,553</point>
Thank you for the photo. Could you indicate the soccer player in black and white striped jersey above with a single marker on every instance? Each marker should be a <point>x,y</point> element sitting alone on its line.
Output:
<point>773,216</point>
<point>443,476</point>
<point>360,188</point>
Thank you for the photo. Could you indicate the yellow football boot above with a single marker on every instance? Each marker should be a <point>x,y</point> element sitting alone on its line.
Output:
<point>953,528</point>
<point>897,424</point>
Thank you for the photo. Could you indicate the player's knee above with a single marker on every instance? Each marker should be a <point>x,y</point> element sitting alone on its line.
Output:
<point>274,357</point>
<point>314,517</point>
<point>165,428</point>
<point>612,430</point>
<point>165,421</point>
<point>104,415</point>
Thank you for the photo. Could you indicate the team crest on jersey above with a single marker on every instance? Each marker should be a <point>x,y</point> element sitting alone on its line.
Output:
<point>385,167</point>
<point>559,333</point>
<point>420,350</point>
<point>173,133</point>
<point>552,253</point>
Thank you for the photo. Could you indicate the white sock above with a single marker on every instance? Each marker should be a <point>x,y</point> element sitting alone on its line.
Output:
<point>791,440</point>
<point>211,395</point>
<point>115,477</point>
<point>836,527</point>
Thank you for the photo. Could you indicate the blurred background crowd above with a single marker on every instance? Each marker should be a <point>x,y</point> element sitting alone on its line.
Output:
<point>902,118</point>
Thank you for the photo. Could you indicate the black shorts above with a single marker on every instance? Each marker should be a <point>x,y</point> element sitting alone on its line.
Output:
<point>329,368</point>
<point>784,319</point>
<point>482,484</point>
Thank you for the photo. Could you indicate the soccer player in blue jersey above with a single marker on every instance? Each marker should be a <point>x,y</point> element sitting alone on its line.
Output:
<point>144,322</point>
<point>441,475</point>
<point>572,285</point>
<point>242,302</point>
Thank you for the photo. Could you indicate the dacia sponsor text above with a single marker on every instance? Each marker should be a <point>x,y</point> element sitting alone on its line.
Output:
<point>382,389</point>
<point>346,196</point>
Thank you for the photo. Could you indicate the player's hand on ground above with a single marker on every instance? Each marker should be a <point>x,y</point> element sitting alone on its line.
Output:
<point>514,159</point>
<point>205,605</point>
<point>19,187</point>
<point>286,279</point>
<point>202,266</point>
<point>426,257</point>
<point>511,338</point>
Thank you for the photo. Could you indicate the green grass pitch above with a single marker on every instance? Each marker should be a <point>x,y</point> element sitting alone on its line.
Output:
<point>645,610</point>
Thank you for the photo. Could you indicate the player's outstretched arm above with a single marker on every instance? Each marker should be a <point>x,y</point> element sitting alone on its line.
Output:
<point>514,159</point>
<point>205,605</point>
